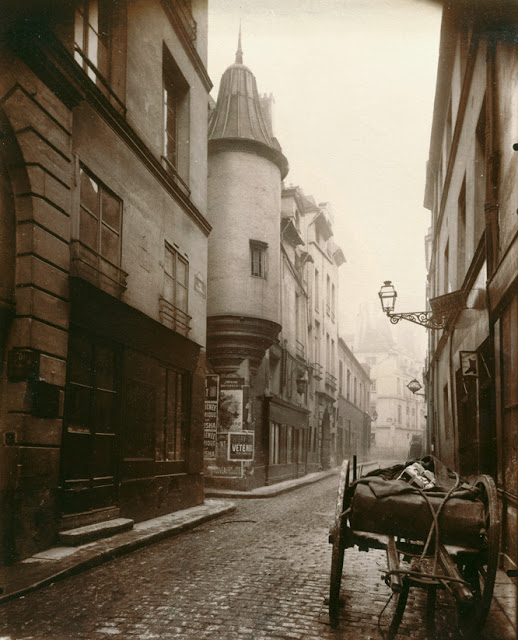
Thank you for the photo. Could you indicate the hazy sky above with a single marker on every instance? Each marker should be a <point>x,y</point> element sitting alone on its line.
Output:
<point>354,83</point>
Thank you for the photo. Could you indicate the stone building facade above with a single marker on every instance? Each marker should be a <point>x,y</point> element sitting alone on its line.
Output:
<point>470,191</point>
<point>103,264</point>
<point>353,416</point>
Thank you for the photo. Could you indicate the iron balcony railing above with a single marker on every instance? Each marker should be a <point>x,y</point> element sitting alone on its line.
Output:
<point>330,381</point>
<point>174,318</point>
<point>317,371</point>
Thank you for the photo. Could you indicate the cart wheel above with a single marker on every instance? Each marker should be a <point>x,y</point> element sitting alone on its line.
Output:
<point>337,537</point>
<point>480,571</point>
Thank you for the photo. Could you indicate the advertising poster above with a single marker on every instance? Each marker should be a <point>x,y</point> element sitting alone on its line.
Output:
<point>230,421</point>
<point>210,417</point>
<point>231,404</point>
<point>241,446</point>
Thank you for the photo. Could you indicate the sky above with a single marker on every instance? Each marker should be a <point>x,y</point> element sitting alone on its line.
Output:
<point>353,83</point>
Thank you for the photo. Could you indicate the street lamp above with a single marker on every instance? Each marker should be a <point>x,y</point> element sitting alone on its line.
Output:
<point>415,386</point>
<point>388,295</point>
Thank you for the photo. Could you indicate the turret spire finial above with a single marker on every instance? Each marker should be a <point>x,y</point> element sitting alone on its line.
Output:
<point>239,52</point>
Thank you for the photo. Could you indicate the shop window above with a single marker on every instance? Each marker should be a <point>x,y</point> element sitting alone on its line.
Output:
<point>156,422</point>
<point>290,454</point>
<point>274,443</point>
<point>175,299</point>
<point>176,120</point>
<point>170,444</point>
<point>258,259</point>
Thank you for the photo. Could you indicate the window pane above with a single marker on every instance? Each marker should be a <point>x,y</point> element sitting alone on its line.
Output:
<point>181,271</point>
<point>169,262</point>
<point>180,435</point>
<point>171,416</point>
<point>110,247</point>
<point>89,193</point>
<point>79,32</point>
<point>93,53</point>
<point>170,123</point>
<point>169,289</point>
<point>181,298</point>
<point>93,14</point>
<point>111,211</point>
<point>139,420</point>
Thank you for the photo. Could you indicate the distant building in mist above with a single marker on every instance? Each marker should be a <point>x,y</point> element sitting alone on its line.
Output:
<point>397,414</point>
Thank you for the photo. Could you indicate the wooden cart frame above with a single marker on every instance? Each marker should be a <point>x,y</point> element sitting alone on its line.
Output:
<point>468,573</point>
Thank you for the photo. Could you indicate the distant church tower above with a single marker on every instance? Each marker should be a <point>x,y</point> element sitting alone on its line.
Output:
<point>246,168</point>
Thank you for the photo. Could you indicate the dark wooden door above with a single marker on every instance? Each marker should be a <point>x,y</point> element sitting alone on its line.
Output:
<point>91,426</point>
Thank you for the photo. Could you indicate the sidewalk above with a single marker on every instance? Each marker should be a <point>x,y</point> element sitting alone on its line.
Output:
<point>272,490</point>
<point>61,562</point>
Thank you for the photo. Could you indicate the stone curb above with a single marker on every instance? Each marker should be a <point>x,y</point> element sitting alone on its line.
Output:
<point>272,490</point>
<point>96,553</point>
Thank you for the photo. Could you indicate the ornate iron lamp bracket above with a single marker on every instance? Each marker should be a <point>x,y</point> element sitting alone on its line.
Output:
<point>422,318</point>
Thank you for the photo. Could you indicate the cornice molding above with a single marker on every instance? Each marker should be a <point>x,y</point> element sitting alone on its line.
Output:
<point>187,42</point>
<point>254,147</point>
<point>232,339</point>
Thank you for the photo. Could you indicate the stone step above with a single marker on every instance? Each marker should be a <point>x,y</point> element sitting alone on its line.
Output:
<point>91,532</point>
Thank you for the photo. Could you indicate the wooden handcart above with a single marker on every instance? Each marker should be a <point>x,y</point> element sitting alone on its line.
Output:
<point>463,557</point>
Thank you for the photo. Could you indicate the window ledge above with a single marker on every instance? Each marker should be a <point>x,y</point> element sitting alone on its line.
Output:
<point>178,180</point>
<point>92,267</point>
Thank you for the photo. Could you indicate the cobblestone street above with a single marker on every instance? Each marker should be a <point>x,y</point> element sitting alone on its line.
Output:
<point>260,573</point>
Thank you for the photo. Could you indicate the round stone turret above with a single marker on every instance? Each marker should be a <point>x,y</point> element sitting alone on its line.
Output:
<point>246,168</point>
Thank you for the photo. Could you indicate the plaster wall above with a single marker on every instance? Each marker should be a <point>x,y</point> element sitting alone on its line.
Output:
<point>244,205</point>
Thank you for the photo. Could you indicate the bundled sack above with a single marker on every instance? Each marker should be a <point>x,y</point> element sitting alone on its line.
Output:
<point>384,502</point>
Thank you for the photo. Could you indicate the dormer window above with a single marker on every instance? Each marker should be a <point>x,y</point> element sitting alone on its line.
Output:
<point>258,258</point>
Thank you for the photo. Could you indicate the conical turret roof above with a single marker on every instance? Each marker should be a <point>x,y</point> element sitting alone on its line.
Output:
<point>238,114</point>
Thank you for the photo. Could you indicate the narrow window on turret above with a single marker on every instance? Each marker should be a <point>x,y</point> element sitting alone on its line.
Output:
<point>258,258</point>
